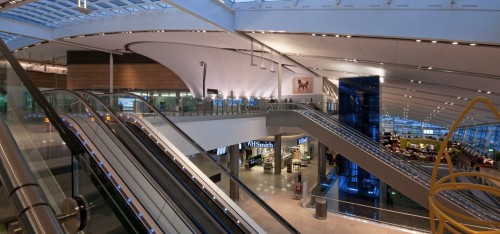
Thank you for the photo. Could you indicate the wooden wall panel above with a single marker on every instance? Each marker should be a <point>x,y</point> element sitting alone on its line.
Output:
<point>126,76</point>
<point>48,80</point>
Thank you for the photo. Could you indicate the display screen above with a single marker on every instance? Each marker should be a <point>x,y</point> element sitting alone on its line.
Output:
<point>128,103</point>
<point>302,140</point>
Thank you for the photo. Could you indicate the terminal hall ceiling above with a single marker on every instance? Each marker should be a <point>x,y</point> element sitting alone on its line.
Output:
<point>424,79</point>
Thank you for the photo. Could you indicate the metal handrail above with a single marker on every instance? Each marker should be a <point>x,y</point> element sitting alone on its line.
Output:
<point>34,212</point>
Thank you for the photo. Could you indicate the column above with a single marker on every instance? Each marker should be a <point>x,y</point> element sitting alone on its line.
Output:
<point>277,154</point>
<point>279,80</point>
<point>234,166</point>
<point>321,162</point>
<point>110,73</point>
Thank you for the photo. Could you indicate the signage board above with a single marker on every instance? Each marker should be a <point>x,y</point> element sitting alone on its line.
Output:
<point>261,144</point>
<point>212,91</point>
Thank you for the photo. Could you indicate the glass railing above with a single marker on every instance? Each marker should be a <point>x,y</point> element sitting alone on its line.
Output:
<point>117,164</point>
<point>198,162</point>
<point>50,149</point>
<point>415,172</point>
<point>212,107</point>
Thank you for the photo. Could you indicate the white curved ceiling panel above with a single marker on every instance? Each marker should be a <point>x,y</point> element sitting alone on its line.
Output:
<point>227,70</point>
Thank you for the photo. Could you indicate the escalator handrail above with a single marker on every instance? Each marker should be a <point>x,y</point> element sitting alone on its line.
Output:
<point>391,153</point>
<point>253,195</point>
<point>109,131</point>
<point>66,134</point>
<point>413,166</point>
<point>18,181</point>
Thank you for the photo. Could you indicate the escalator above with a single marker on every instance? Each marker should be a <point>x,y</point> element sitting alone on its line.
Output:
<point>148,124</point>
<point>163,183</point>
<point>401,174</point>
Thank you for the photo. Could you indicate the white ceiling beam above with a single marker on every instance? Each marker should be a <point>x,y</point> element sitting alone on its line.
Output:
<point>461,25</point>
<point>210,11</point>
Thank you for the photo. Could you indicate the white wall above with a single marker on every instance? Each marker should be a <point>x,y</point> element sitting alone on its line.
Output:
<point>211,134</point>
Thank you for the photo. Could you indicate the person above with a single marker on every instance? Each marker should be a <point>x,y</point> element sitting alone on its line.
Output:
<point>329,157</point>
<point>162,106</point>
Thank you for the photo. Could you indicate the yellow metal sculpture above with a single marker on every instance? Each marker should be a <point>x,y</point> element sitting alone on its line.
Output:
<point>442,217</point>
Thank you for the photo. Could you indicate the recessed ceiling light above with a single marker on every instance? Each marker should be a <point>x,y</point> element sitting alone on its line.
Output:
<point>313,34</point>
<point>434,42</point>
<point>472,44</point>
<point>430,68</point>
<point>349,36</point>
<point>381,63</point>
<point>337,36</point>
<point>418,40</point>
<point>478,90</point>
<point>454,43</point>
<point>323,35</point>
<point>489,92</point>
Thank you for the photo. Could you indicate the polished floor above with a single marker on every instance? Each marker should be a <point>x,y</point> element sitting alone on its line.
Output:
<point>278,192</point>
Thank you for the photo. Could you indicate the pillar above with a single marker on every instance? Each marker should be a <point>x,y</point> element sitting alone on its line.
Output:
<point>277,154</point>
<point>321,162</point>
<point>234,166</point>
<point>279,80</point>
<point>110,73</point>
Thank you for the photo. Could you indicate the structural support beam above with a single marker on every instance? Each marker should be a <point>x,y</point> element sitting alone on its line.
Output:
<point>277,154</point>
<point>234,153</point>
<point>217,14</point>
<point>321,162</point>
<point>111,78</point>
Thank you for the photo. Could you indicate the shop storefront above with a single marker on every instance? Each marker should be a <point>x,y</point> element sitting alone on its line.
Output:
<point>296,151</point>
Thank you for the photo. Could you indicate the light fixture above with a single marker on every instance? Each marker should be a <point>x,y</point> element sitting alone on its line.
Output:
<point>348,36</point>
<point>313,35</point>
<point>489,92</point>
<point>434,42</point>
<point>454,43</point>
<point>472,44</point>
<point>83,9</point>
<point>272,63</point>
<point>251,54</point>
<point>337,36</point>
<point>323,35</point>
<point>262,58</point>
<point>418,40</point>
<point>430,68</point>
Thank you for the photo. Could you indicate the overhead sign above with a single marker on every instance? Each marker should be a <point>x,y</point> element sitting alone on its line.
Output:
<point>261,144</point>
<point>212,91</point>
<point>302,140</point>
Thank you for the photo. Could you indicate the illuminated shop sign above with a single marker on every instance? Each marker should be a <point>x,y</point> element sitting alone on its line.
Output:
<point>302,140</point>
<point>261,144</point>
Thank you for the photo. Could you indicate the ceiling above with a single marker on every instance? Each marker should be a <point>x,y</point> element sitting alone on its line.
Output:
<point>422,80</point>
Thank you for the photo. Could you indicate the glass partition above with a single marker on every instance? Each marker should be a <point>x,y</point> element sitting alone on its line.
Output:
<point>53,160</point>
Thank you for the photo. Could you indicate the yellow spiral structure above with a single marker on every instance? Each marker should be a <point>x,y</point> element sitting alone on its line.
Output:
<point>442,217</point>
